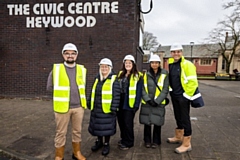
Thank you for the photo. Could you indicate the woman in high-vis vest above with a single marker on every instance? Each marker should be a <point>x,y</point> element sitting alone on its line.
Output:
<point>131,92</point>
<point>152,111</point>
<point>103,103</point>
<point>67,81</point>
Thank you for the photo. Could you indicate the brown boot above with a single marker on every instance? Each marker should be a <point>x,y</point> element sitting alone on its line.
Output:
<point>59,153</point>
<point>186,145</point>
<point>77,155</point>
<point>178,136</point>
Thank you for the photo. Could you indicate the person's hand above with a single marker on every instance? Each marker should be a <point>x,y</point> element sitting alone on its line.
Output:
<point>152,103</point>
<point>149,102</point>
<point>135,109</point>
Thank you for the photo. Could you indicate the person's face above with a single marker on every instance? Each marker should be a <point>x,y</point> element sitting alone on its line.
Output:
<point>155,65</point>
<point>104,69</point>
<point>176,54</point>
<point>128,65</point>
<point>70,56</point>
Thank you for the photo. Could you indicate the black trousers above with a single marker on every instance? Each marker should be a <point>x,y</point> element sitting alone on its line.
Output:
<point>156,134</point>
<point>126,125</point>
<point>181,107</point>
<point>107,139</point>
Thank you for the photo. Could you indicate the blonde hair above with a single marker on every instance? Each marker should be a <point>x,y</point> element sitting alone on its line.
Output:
<point>100,73</point>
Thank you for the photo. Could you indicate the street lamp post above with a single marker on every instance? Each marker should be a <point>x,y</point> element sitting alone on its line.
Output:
<point>191,44</point>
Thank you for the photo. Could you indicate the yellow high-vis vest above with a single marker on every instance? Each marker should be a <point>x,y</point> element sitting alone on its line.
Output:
<point>132,88</point>
<point>107,89</point>
<point>188,77</point>
<point>160,83</point>
<point>61,87</point>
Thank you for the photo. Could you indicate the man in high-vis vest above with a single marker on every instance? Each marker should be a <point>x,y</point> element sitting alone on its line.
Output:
<point>67,81</point>
<point>183,84</point>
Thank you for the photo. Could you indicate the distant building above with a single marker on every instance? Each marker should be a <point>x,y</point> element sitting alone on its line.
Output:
<point>206,58</point>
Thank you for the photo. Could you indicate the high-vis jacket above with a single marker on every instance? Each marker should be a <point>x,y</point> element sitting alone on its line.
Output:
<point>61,89</point>
<point>160,83</point>
<point>132,88</point>
<point>188,77</point>
<point>107,91</point>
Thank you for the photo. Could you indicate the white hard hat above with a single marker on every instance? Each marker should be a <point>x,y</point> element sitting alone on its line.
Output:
<point>69,46</point>
<point>129,57</point>
<point>106,61</point>
<point>176,46</point>
<point>155,58</point>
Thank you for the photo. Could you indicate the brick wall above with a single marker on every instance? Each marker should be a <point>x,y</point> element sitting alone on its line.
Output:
<point>27,54</point>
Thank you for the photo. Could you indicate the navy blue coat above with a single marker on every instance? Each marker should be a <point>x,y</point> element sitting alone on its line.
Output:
<point>104,124</point>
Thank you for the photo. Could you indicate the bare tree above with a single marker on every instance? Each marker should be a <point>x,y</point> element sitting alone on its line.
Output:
<point>227,36</point>
<point>235,4</point>
<point>149,41</point>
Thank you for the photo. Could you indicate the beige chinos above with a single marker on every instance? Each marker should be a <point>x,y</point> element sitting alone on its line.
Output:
<point>62,120</point>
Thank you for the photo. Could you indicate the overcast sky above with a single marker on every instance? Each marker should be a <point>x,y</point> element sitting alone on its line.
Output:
<point>183,21</point>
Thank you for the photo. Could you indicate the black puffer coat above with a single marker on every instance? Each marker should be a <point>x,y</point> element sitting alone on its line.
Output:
<point>150,114</point>
<point>104,124</point>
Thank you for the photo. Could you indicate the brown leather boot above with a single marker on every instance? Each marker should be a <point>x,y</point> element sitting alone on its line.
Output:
<point>177,138</point>
<point>59,153</point>
<point>186,145</point>
<point>77,155</point>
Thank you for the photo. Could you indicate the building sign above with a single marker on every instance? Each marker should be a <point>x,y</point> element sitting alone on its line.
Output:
<point>80,14</point>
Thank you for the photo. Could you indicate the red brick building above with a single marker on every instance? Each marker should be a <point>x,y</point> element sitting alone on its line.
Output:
<point>206,61</point>
<point>34,32</point>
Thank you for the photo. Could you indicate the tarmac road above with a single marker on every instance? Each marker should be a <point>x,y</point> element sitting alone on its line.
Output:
<point>27,130</point>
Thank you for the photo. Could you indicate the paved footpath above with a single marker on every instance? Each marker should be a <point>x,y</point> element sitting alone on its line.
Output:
<point>27,130</point>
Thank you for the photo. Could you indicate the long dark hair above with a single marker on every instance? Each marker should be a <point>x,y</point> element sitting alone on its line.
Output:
<point>134,71</point>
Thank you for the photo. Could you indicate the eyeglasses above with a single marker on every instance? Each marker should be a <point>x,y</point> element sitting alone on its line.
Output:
<point>70,54</point>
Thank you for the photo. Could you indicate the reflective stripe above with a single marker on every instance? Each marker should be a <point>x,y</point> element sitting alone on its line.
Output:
<point>106,101</point>
<point>192,77</point>
<point>132,96</point>
<point>106,92</point>
<point>56,80</point>
<point>61,88</point>
<point>193,97</point>
<point>60,99</point>
<point>81,86</point>
<point>196,96</point>
<point>186,96</point>
<point>132,88</point>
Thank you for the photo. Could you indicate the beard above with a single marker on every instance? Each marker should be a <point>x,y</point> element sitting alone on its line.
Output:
<point>70,62</point>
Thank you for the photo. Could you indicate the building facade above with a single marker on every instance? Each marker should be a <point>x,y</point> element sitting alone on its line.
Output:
<point>208,61</point>
<point>34,32</point>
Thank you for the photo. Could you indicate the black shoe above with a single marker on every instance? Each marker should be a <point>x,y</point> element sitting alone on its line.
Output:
<point>119,142</point>
<point>154,145</point>
<point>123,147</point>
<point>147,145</point>
<point>97,146</point>
<point>106,149</point>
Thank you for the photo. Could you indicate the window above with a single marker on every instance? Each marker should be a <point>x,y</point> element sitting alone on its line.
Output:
<point>145,58</point>
<point>206,62</point>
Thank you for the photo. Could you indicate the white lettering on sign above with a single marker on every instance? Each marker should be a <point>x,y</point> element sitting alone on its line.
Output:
<point>52,14</point>
<point>18,9</point>
<point>60,21</point>
<point>48,8</point>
